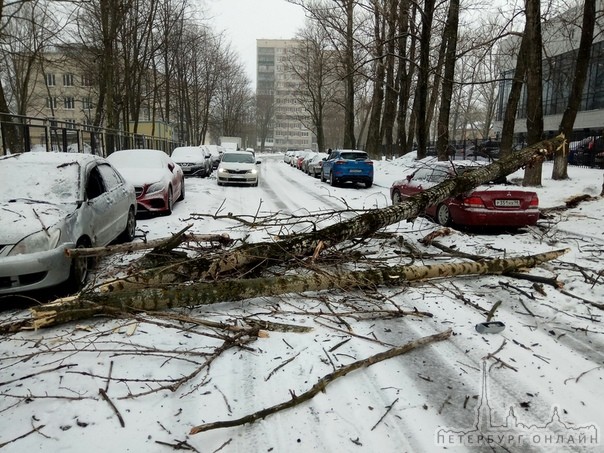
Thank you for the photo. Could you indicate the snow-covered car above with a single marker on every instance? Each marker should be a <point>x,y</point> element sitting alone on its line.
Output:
<point>315,164</point>
<point>489,205</point>
<point>237,167</point>
<point>157,179</point>
<point>194,160</point>
<point>215,153</point>
<point>51,202</point>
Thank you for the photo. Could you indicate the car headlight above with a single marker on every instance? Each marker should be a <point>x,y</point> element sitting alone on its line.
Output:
<point>40,241</point>
<point>221,170</point>
<point>253,171</point>
<point>156,187</point>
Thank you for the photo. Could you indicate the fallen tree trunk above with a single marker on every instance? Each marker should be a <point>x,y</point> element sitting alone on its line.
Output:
<point>254,257</point>
<point>264,254</point>
<point>89,304</point>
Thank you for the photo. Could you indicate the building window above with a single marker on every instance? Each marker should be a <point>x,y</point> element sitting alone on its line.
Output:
<point>50,80</point>
<point>68,80</point>
<point>86,103</point>
<point>69,103</point>
<point>51,103</point>
<point>70,124</point>
<point>87,80</point>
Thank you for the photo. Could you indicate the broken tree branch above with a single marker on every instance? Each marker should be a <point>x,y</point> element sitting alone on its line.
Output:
<point>322,384</point>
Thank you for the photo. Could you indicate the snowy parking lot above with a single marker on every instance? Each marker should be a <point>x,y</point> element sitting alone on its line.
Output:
<point>143,383</point>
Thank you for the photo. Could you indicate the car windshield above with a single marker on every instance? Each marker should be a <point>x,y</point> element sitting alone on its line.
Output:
<point>187,153</point>
<point>238,158</point>
<point>354,156</point>
<point>136,159</point>
<point>44,182</point>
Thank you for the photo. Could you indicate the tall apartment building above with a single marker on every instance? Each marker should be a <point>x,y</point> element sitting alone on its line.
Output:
<point>287,130</point>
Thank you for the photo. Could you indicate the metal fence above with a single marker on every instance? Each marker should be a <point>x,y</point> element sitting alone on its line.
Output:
<point>40,134</point>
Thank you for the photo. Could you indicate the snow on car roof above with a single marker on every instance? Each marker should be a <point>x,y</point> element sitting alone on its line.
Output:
<point>52,177</point>
<point>137,158</point>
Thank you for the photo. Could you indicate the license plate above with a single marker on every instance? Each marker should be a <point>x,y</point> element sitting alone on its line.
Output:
<point>507,203</point>
<point>356,171</point>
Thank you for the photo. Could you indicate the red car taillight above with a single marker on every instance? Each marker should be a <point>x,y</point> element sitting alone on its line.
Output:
<point>534,202</point>
<point>473,202</point>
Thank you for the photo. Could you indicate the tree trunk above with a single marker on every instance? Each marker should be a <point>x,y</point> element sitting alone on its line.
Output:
<point>88,304</point>
<point>387,131</point>
<point>450,36</point>
<point>423,79</point>
<point>509,118</point>
<point>534,83</point>
<point>373,142</point>
<point>574,101</point>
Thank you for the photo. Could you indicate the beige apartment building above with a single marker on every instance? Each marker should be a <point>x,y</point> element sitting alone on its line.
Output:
<point>66,95</point>
<point>288,130</point>
<point>62,92</point>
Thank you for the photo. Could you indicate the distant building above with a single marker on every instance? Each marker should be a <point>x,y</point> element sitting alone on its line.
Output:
<point>61,91</point>
<point>288,129</point>
<point>561,37</point>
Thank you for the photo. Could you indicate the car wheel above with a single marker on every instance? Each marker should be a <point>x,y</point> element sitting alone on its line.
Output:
<point>332,180</point>
<point>396,197</point>
<point>130,230</point>
<point>182,190</point>
<point>78,272</point>
<point>170,205</point>
<point>443,215</point>
<point>368,184</point>
<point>323,176</point>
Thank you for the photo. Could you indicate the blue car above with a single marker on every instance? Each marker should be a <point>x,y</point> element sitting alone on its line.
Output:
<point>347,166</point>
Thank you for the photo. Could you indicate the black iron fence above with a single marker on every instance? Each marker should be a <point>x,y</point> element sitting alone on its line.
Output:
<point>40,134</point>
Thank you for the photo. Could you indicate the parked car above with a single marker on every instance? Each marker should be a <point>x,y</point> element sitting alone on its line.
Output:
<point>51,202</point>
<point>492,205</point>
<point>347,165</point>
<point>216,153</point>
<point>157,179</point>
<point>238,167</point>
<point>314,165</point>
<point>305,161</point>
<point>193,160</point>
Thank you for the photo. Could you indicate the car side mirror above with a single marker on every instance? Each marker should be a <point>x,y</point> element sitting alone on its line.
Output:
<point>409,177</point>
<point>171,167</point>
<point>258,162</point>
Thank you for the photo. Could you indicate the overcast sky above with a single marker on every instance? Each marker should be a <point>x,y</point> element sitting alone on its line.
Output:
<point>245,21</point>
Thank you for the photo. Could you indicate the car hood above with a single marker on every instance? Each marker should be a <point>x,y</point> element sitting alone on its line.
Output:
<point>20,219</point>
<point>142,176</point>
<point>237,166</point>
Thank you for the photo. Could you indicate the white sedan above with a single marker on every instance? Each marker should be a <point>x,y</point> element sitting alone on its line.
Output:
<point>238,167</point>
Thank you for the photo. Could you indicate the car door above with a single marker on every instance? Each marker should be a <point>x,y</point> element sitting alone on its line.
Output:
<point>117,195</point>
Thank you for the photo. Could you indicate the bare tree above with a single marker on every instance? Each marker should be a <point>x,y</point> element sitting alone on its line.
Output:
<point>582,64</point>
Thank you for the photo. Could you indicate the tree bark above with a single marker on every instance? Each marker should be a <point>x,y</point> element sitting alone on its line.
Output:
<point>450,36</point>
<point>86,305</point>
<point>534,91</point>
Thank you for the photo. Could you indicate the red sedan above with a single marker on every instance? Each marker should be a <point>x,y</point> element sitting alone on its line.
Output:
<point>158,181</point>
<point>494,205</point>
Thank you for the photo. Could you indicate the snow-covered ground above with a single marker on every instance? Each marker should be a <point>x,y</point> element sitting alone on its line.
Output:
<point>535,386</point>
